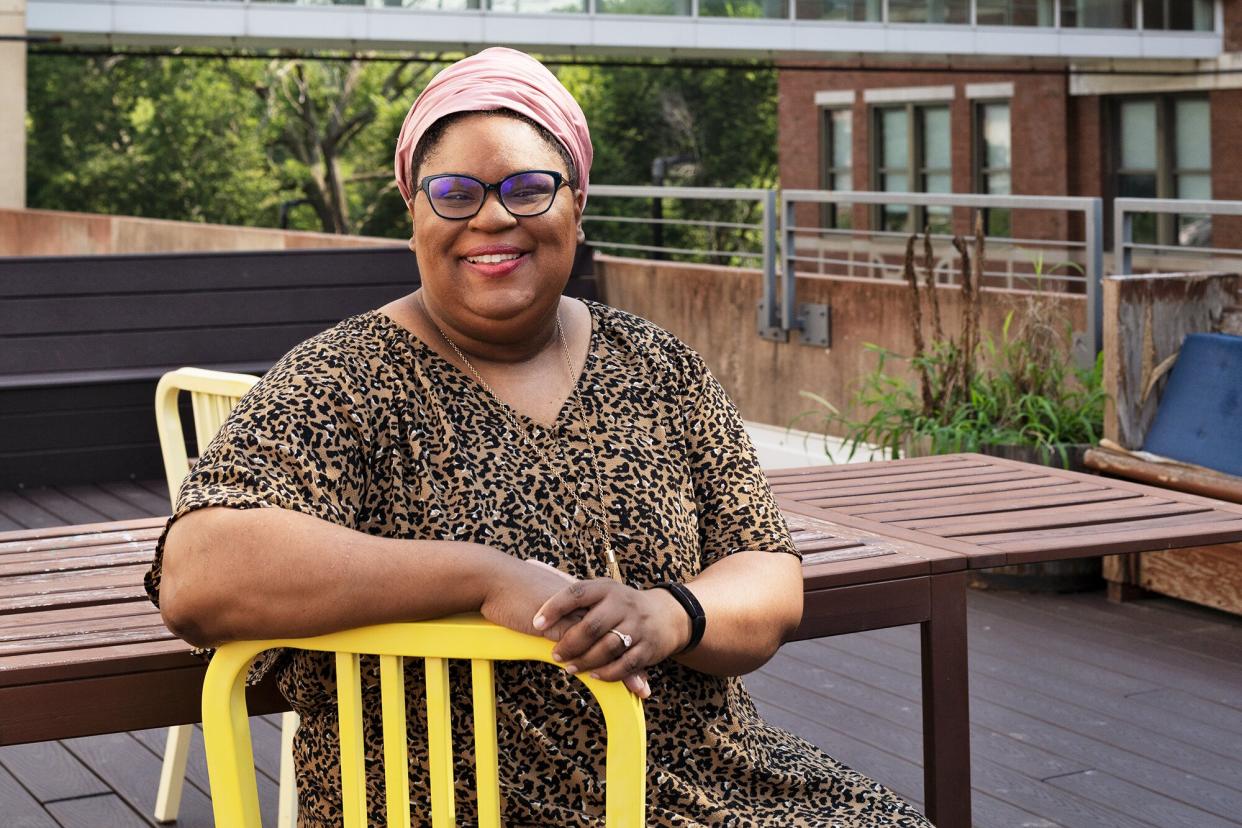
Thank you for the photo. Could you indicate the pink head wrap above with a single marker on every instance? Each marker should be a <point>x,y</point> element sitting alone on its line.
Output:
<point>497,78</point>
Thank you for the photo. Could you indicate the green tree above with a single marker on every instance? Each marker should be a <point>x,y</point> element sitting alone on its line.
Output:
<point>147,136</point>
<point>722,119</point>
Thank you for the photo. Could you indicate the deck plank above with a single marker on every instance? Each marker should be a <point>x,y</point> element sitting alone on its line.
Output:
<point>95,811</point>
<point>19,808</point>
<point>50,772</point>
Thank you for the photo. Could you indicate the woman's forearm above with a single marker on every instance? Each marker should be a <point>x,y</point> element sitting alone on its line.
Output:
<point>232,574</point>
<point>753,602</point>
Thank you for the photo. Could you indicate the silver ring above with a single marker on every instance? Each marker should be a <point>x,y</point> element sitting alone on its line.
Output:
<point>626,641</point>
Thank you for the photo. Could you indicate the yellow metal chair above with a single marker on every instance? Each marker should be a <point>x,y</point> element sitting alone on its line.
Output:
<point>226,727</point>
<point>212,395</point>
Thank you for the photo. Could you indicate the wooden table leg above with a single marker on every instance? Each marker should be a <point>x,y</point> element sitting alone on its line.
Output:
<point>946,705</point>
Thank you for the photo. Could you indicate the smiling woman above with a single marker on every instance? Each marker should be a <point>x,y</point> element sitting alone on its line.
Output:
<point>486,444</point>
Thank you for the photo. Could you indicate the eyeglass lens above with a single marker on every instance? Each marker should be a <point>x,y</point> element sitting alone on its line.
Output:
<point>522,194</point>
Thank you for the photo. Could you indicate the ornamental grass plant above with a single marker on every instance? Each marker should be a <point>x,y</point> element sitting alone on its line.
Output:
<point>974,392</point>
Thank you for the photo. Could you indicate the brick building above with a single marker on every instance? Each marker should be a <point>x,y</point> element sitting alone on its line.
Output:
<point>1029,126</point>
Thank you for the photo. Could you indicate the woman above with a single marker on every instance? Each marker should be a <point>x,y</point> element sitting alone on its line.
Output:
<point>485,444</point>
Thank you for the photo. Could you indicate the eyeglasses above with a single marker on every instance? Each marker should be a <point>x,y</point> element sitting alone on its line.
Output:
<point>524,194</point>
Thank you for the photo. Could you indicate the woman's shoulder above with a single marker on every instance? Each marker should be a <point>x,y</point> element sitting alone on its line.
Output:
<point>347,355</point>
<point>642,341</point>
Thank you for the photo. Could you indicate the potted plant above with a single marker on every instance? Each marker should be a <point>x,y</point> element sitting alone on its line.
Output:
<point>1018,396</point>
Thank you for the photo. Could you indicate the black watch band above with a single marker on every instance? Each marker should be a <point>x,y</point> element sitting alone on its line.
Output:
<point>698,621</point>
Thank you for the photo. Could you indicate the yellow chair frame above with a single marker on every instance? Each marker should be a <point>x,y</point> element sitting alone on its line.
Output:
<point>226,727</point>
<point>212,396</point>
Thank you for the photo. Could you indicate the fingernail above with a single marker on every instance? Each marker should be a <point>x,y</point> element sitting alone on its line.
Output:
<point>540,622</point>
<point>556,656</point>
<point>594,675</point>
<point>555,635</point>
<point>571,669</point>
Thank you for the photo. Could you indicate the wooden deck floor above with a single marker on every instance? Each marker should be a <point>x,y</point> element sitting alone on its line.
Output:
<point>1085,714</point>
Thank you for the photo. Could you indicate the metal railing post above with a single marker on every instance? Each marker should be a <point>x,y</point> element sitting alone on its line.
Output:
<point>1094,267</point>
<point>788,320</point>
<point>769,313</point>
<point>1123,234</point>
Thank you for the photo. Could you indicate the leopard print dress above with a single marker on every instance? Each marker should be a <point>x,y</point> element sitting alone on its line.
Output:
<point>367,427</point>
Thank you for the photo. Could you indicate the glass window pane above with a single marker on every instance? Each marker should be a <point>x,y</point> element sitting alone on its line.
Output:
<point>1014,12</point>
<point>936,138</point>
<point>998,223</point>
<point>895,183</point>
<point>1194,186</point>
<point>1136,186</point>
<point>1153,14</point>
<point>937,183</point>
<point>895,219</point>
<point>842,132</point>
<point>999,184</point>
<point>539,6</point>
<point>1193,134</point>
<point>928,11</point>
<point>843,181</point>
<point>1097,14</point>
<point>742,8</point>
<point>1180,15</point>
<point>1138,135</point>
<point>895,138</point>
<point>996,135</point>
<point>678,7</point>
<point>856,10</point>
<point>938,219</point>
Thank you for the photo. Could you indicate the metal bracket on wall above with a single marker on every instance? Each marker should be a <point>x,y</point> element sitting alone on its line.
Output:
<point>815,324</point>
<point>768,330</point>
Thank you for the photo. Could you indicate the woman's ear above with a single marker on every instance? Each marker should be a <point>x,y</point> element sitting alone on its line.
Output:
<point>579,208</point>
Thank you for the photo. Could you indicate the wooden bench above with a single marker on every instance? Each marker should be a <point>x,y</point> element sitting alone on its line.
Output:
<point>1147,318</point>
<point>84,339</point>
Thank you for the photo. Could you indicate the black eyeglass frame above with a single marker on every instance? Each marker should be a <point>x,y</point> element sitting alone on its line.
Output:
<point>558,180</point>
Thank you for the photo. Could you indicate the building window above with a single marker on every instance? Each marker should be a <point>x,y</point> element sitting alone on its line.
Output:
<point>855,10</point>
<point>1163,150</point>
<point>912,152</point>
<point>1179,15</point>
<point>1099,14</point>
<point>836,166</point>
<point>993,167</point>
<point>928,11</point>
<point>1014,12</point>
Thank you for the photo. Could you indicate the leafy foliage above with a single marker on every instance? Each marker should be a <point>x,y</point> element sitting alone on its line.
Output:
<point>159,138</point>
<point>1025,393</point>
<point>231,140</point>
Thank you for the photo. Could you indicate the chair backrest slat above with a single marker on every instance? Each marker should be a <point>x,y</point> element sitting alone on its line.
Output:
<point>440,744</point>
<point>226,729</point>
<point>212,396</point>
<point>349,723</point>
<point>396,741</point>
<point>486,751</point>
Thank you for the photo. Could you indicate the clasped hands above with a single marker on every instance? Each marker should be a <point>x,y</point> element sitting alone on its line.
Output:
<point>581,616</point>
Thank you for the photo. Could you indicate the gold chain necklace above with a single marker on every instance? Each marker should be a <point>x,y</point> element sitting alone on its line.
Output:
<point>598,522</point>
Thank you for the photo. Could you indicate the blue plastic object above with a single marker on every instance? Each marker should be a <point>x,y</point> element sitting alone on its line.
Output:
<point>1200,415</point>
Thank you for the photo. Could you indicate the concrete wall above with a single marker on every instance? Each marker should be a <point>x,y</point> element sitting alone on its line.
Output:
<point>52,233</point>
<point>12,105</point>
<point>713,310</point>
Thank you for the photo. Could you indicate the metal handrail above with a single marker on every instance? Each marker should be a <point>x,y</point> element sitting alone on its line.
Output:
<point>1092,210</point>
<point>1124,210</point>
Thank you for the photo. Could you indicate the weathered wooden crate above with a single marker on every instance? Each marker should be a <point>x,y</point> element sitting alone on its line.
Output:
<point>1145,320</point>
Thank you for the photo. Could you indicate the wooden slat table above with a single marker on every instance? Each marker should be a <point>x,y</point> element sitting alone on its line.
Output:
<point>82,651</point>
<point>884,544</point>
<point>992,512</point>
